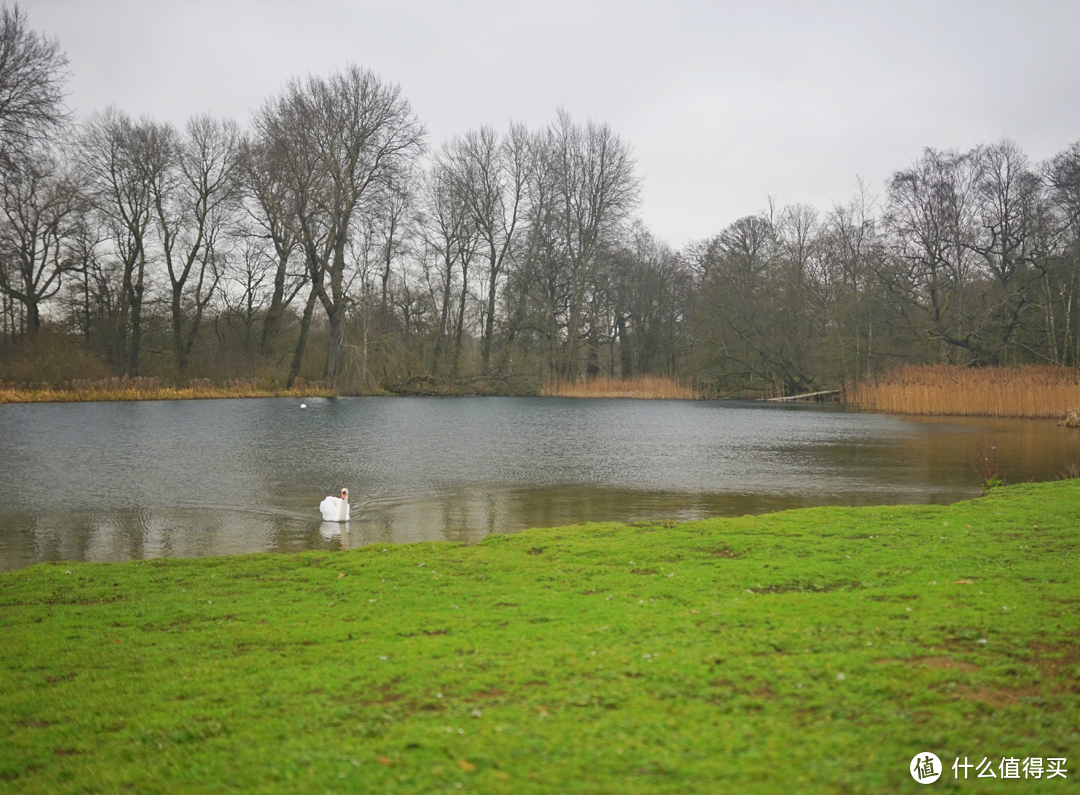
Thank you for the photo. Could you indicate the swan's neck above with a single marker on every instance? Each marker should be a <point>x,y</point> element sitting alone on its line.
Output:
<point>343,509</point>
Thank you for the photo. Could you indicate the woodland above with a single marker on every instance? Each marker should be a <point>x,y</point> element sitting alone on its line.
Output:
<point>327,239</point>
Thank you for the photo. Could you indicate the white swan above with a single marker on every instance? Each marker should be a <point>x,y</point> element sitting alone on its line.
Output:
<point>335,509</point>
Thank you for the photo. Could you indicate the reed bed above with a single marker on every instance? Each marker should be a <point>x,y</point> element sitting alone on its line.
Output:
<point>141,388</point>
<point>642,387</point>
<point>1032,391</point>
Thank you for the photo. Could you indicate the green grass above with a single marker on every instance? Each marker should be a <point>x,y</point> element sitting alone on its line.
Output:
<point>808,651</point>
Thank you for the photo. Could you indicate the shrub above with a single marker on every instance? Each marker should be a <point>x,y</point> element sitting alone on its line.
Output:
<point>49,357</point>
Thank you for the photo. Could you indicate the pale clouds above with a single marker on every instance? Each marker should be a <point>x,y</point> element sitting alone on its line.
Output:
<point>725,104</point>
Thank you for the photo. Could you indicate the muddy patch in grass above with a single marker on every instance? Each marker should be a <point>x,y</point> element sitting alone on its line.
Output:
<point>722,552</point>
<point>804,587</point>
<point>1060,662</point>
<point>32,723</point>
<point>486,695</point>
<point>994,697</point>
<point>938,663</point>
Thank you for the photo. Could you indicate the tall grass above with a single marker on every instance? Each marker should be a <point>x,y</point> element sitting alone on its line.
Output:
<point>1032,391</point>
<point>648,387</point>
<point>152,389</point>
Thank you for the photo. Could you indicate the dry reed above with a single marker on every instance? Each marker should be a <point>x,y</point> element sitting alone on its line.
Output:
<point>646,387</point>
<point>1032,391</point>
<point>141,388</point>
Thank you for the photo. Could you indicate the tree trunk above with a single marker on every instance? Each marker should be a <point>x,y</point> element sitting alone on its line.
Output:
<point>179,354</point>
<point>592,365</point>
<point>489,320</point>
<point>136,320</point>
<point>626,357</point>
<point>440,341</point>
<point>460,318</point>
<point>272,322</point>
<point>335,316</point>
<point>301,342</point>
<point>33,314</point>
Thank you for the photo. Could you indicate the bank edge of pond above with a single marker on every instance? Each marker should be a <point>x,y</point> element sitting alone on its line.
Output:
<point>8,395</point>
<point>162,393</point>
<point>153,388</point>
<point>818,649</point>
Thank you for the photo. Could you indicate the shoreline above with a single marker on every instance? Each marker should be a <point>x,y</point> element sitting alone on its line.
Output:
<point>1025,392</point>
<point>1070,418</point>
<point>12,396</point>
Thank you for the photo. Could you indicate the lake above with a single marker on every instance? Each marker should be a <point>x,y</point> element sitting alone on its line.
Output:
<point>130,480</point>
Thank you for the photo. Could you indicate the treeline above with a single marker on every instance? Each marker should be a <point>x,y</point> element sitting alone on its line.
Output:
<point>326,241</point>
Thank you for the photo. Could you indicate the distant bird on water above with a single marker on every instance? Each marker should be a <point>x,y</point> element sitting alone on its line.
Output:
<point>335,509</point>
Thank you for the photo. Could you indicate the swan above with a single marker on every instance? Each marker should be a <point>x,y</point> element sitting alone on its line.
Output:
<point>335,509</point>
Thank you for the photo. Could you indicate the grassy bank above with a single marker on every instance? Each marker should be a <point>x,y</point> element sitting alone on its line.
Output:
<point>640,387</point>
<point>152,389</point>
<point>1033,392</point>
<point>808,651</point>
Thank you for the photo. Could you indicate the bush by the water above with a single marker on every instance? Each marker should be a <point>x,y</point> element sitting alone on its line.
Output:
<point>49,358</point>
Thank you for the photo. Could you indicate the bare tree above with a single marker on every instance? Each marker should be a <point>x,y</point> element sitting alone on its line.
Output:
<point>491,176</point>
<point>452,239</point>
<point>243,292</point>
<point>283,131</point>
<point>89,304</point>
<point>194,199</point>
<point>346,137</point>
<point>1013,244</point>
<point>931,221</point>
<point>1062,174</point>
<point>388,237</point>
<point>40,207</point>
<point>595,191</point>
<point>970,241</point>
<point>851,252</point>
<point>392,225</point>
<point>32,73</point>
<point>580,189</point>
<point>755,300</point>
<point>123,160</point>
<point>646,293</point>
<point>535,292</point>
<point>270,206</point>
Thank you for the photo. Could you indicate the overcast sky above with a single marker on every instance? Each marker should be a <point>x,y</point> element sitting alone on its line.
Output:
<point>724,103</point>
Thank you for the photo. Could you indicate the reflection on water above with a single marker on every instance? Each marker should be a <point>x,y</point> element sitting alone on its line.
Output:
<point>120,481</point>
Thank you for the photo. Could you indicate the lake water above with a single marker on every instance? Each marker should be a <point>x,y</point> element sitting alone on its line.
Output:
<point>121,481</point>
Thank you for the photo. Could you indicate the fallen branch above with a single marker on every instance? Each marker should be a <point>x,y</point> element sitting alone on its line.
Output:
<point>804,395</point>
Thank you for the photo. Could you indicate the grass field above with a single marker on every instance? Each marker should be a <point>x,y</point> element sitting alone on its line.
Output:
<point>811,651</point>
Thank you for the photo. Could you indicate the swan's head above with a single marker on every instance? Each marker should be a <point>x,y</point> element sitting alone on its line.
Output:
<point>345,494</point>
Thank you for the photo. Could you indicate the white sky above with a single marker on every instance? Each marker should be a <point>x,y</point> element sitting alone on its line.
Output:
<point>724,103</point>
